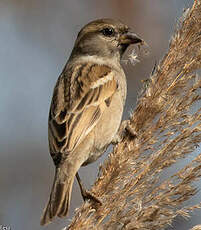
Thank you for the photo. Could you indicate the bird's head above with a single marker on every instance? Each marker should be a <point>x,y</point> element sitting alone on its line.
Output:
<point>106,38</point>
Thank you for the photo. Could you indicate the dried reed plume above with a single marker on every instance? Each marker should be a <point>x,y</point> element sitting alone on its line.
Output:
<point>167,121</point>
<point>197,227</point>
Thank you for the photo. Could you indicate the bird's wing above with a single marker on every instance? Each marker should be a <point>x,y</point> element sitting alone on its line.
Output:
<point>80,97</point>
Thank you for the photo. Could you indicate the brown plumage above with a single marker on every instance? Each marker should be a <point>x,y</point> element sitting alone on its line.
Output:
<point>87,106</point>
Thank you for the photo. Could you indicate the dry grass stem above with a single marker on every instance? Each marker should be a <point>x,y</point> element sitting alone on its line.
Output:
<point>197,227</point>
<point>167,121</point>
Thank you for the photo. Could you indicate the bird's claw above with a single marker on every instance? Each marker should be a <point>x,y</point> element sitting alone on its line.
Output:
<point>89,196</point>
<point>125,129</point>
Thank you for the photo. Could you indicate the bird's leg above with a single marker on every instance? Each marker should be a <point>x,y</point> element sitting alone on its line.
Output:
<point>86,195</point>
<point>124,129</point>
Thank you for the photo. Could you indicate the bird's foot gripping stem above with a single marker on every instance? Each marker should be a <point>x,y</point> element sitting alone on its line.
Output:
<point>124,130</point>
<point>86,195</point>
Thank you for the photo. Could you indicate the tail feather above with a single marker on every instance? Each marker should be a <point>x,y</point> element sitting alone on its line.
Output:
<point>59,200</point>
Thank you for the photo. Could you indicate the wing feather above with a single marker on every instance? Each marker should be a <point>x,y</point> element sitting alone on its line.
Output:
<point>79,99</point>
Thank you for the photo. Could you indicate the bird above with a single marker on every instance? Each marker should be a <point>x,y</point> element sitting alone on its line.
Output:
<point>86,109</point>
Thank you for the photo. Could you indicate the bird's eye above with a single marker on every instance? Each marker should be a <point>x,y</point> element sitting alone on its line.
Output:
<point>108,32</point>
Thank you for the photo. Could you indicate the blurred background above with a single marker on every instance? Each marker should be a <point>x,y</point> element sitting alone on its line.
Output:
<point>36,38</point>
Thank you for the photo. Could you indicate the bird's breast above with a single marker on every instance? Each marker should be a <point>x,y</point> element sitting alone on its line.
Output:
<point>122,84</point>
<point>107,127</point>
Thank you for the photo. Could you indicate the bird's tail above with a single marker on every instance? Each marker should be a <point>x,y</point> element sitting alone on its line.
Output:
<point>59,200</point>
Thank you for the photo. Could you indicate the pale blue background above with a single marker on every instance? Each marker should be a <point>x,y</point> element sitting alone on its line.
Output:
<point>36,37</point>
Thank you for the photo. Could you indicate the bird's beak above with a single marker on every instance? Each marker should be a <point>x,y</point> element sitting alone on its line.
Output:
<point>129,38</point>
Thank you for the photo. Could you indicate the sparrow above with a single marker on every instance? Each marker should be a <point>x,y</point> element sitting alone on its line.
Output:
<point>86,108</point>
